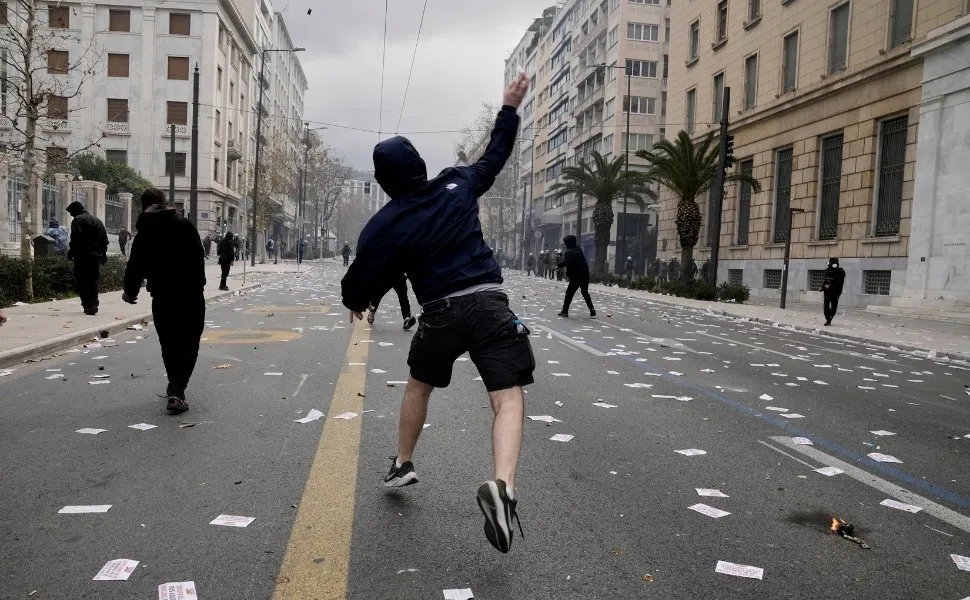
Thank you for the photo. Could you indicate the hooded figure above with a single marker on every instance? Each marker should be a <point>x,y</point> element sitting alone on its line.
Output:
<point>345,252</point>
<point>123,236</point>
<point>628,267</point>
<point>227,254</point>
<point>530,264</point>
<point>832,289</point>
<point>168,253</point>
<point>577,270</point>
<point>89,250</point>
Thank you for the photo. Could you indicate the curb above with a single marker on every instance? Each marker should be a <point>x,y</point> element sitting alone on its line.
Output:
<point>52,345</point>
<point>659,299</point>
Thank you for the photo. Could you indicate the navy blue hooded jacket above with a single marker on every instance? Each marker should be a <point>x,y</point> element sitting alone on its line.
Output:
<point>430,229</point>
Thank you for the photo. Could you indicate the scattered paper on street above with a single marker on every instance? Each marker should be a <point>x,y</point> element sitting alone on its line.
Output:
<point>711,493</point>
<point>793,416</point>
<point>55,376</point>
<point>561,375</point>
<point>273,374</point>
<point>142,426</point>
<point>882,432</point>
<point>886,458</point>
<point>729,568</point>
<point>544,418</point>
<point>378,371</point>
<point>776,408</point>
<point>901,505</point>
<point>459,594</point>
<point>232,521</point>
<point>561,437</point>
<point>118,569</point>
<point>829,471</point>
<point>691,452</point>
<point>225,366</point>
<point>91,431</point>
<point>802,441</point>
<point>962,562</point>
<point>99,382</point>
<point>179,590</point>
<point>710,511</point>
<point>313,415</point>
<point>85,509</point>
<point>604,405</point>
<point>346,416</point>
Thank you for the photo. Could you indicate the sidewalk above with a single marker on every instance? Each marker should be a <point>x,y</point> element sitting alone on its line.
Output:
<point>905,333</point>
<point>35,330</point>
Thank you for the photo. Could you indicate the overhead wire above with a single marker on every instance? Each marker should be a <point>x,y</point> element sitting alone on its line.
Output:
<point>414,55</point>
<point>380,118</point>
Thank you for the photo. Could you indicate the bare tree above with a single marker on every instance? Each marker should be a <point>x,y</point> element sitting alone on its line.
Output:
<point>326,176</point>
<point>41,78</point>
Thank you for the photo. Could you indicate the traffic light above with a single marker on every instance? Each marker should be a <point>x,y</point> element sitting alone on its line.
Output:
<point>728,152</point>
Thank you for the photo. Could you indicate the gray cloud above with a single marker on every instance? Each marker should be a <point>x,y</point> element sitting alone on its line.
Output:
<point>460,64</point>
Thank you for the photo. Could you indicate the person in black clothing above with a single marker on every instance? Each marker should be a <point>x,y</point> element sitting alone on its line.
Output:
<point>577,270</point>
<point>123,236</point>
<point>88,250</point>
<point>168,252</point>
<point>628,268</point>
<point>401,289</point>
<point>530,264</point>
<point>227,254</point>
<point>832,289</point>
<point>345,252</point>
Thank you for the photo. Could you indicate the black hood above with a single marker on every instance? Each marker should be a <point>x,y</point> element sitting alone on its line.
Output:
<point>75,208</point>
<point>570,241</point>
<point>398,167</point>
<point>155,214</point>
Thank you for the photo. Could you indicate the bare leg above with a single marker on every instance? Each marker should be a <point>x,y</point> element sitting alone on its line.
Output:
<point>509,408</point>
<point>414,411</point>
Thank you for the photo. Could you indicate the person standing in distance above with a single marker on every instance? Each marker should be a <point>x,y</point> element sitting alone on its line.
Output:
<point>401,289</point>
<point>577,270</point>
<point>345,252</point>
<point>168,253</point>
<point>832,289</point>
<point>431,231</point>
<point>123,236</point>
<point>227,254</point>
<point>89,250</point>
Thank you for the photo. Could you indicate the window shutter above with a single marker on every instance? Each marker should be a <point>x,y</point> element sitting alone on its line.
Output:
<point>178,67</point>
<point>119,20</point>
<point>179,24</point>
<point>791,62</point>
<point>117,110</point>
<point>902,22</point>
<point>178,113</point>
<point>117,65</point>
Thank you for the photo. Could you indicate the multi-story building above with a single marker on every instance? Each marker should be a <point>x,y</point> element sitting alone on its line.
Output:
<point>133,64</point>
<point>826,108</point>
<point>599,63</point>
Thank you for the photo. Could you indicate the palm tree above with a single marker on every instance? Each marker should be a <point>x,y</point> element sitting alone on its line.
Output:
<point>688,170</point>
<point>605,181</point>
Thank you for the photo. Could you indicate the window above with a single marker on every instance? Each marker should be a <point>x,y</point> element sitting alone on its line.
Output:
<point>666,64</point>
<point>232,92</point>
<point>641,68</point>
<point>117,65</point>
<point>892,159</point>
<point>666,30</point>
<point>816,279</point>
<point>838,38</point>
<point>653,2</point>
<point>641,105</point>
<point>691,106</point>
<point>219,78</point>
<point>744,204</point>
<point>735,276</point>
<point>180,24</point>
<point>720,32</point>
<point>694,39</point>
<point>614,4</point>
<point>772,279</point>
<point>608,145</point>
<point>58,17</point>
<point>754,10</point>
<point>610,108</point>
<point>218,122</point>
<point>718,96</point>
<point>215,169</point>
<point>639,141</point>
<point>876,283</point>
<point>119,20</point>
<point>57,107</point>
<point>663,104</point>
<point>642,32</point>
<point>830,177</point>
<point>177,113</point>
<point>3,13</point>
<point>783,160</point>
<point>117,110</point>
<point>179,163</point>
<point>57,61</point>
<point>789,65</point>
<point>116,156</point>
<point>750,81</point>
<point>178,67</point>
<point>900,22</point>
<point>613,37</point>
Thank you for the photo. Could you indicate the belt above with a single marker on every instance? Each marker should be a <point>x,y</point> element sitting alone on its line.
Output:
<point>466,299</point>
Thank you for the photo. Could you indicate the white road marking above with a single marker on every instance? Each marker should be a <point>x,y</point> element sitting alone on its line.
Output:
<point>570,341</point>
<point>780,451</point>
<point>303,379</point>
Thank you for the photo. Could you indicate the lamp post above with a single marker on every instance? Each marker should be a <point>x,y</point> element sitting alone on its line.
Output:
<point>626,168</point>
<point>784,274</point>
<point>301,211</point>
<point>259,129</point>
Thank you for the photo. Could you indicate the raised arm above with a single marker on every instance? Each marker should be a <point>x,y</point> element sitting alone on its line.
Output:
<point>502,142</point>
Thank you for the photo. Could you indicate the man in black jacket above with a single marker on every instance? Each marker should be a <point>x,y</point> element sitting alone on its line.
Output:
<point>577,270</point>
<point>832,289</point>
<point>88,250</point>
<point>431,231</point>
<point>227,254</point>
<point>168,252</point>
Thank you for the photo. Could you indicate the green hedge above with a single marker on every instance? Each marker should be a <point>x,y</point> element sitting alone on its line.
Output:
<point>53,278</point>
<point>696,288</point>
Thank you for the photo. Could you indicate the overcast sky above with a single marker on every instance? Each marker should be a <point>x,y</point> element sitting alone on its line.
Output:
<point>460,64</point>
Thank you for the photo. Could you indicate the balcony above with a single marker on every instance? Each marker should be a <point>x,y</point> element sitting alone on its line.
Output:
<point>589,99</point>
<point>116,128</point>
<point>180,130</point>
<point>61,125</point>
<point>233,152</point>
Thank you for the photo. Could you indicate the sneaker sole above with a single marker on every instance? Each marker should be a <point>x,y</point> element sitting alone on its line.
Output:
<point>489,501</point>
<point>403,481</point>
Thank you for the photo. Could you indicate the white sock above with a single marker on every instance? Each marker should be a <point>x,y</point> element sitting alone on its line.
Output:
<point>397,463</point>
<point>508,491</point>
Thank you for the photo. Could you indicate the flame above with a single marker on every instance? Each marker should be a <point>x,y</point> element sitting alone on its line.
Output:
<point>835,525</point>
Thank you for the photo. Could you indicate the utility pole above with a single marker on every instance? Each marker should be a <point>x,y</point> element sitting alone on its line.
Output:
<point>259,134</point>
<point>171,165</point>
<point>626,184</point>
<point>194,176</point>
<point>725,160</point>
<point>784,274</point>
<point>302,209</point>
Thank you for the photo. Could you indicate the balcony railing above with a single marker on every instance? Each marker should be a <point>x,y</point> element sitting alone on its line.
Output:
<point>233,152</point>
<point>116,128</point>
<point>180,130</point>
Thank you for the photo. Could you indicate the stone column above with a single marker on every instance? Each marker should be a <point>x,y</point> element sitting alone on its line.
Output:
<point>126,199</point>
<point>4,209</point>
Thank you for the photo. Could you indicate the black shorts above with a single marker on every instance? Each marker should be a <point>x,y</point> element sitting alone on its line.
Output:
<point>482,325</point>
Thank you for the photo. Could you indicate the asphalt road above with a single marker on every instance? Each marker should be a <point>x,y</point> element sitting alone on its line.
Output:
<point>605,514</point>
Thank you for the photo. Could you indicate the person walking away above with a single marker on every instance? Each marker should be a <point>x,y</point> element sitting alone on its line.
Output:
<point>577,270</point>
<point>236,245</point>
<point>89,250</point>
<point>832,289</point>
<point>663,270</point>
<point>227,254</point>
<point>123,236</point>
<point>706,271</point>
<point>431,231</point>
<point>207,244</point>
<point>560,264</point>
<point>270,247</point>
<point>530,264</point>
<point>168,253</point>
<point>628,268</point>
<point>345,252</point>
<point>674,269</point>
<point>401,289</point>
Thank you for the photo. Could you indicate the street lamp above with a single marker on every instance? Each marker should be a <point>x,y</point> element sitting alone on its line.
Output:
<point>259,129</point>
<point>302,210</point>
<point>626,168</point>
<point>784,274</point>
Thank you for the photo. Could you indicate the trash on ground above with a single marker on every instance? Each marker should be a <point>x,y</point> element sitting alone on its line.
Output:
<point>886,458</point>
<point>604,405</point>
<point>962,562</point>
<point>829,471</point>
<point>91,431</point>
<point>691,452</point>
<point>901,505</point>
<point>346,416</point>
<point>710,511</point>
<point>846,531</point>
<point>313,415</point>
<point>729,568</point>
<point>711,493</point>
<point>232,521</point>
<point>544,418</point>
<point>801,441</point>
<point>459,594</point>
<point>225,366</point>
<point>561,437</point>
<point>84,509</point>
<point>177,590</point>
<point>118,569</point>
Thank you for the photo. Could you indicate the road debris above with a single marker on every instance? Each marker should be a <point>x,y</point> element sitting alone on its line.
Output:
<point>118,569</point>
<point>313,415</point>
<point>232,521</point>
<point>177,590</point>
<point>729,568</point>
<point>846,530</point>
<point>84,509</point>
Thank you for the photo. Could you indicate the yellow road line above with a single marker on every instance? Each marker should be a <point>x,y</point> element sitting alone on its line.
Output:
<point>317,558</point>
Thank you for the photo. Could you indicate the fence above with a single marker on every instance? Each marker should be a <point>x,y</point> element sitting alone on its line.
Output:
<point>49,204</point>
<point>114,213</point>
<point>15,194</point>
